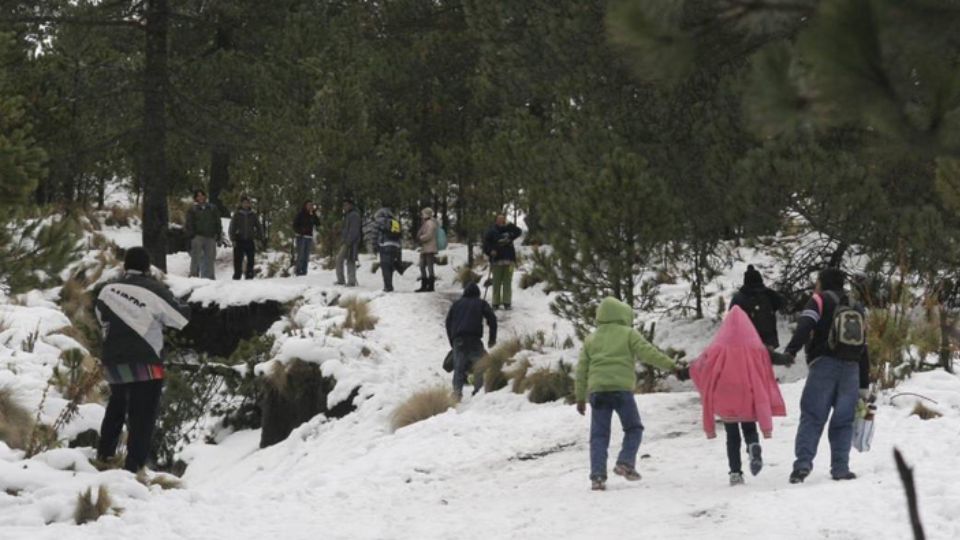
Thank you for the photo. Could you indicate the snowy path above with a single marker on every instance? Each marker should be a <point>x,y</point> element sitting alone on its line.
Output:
<point>500,467</point>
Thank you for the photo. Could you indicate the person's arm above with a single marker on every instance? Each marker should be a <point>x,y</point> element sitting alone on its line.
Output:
<point>491,318</point>
<point>173,312</point>
<point>189,222</point>
<point>648,354</point>
<point>297,222</point>
<point>809,318</point>
<point>232,229</point>
<point>488,241</point>
<point>737,300</point>
<point>217,218</point>
<point>449,325</point>
<point>778,300</point>
<point>514,231</point>
<point>355,228</point>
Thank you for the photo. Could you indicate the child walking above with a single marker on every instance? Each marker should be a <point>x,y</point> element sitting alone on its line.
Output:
<point>736,383</point>
<point>606,374</point>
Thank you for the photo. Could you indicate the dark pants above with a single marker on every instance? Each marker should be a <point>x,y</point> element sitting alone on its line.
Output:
<point>137,405</point>
<point>831,384</point>
<point>389,256</point>
<point>427,261</point>
<point>304,247</point>
<point>750,436</point>
<point>466,352</point>
<point>602,407</point>
<point>241,249</point>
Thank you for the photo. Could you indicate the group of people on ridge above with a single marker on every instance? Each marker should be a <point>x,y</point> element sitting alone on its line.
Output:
<point>735,378</point>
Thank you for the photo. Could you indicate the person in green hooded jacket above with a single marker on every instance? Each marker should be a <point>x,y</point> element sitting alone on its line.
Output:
<point>606,375</point>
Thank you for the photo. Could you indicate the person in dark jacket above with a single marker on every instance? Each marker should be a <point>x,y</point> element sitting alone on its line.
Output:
<point>133,312</point>
<point>351,233</point>
<point>832,383</point>
<point>389,235</point>
<point>498,247</point>
<point>303,226</point>
<point>761,304</point>
<point>465,333</point>
<point>244,231</point>
<point>204,230</point>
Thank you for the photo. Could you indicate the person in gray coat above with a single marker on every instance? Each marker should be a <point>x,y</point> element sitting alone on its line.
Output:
<point>244,231</point>
<point>351,235</point>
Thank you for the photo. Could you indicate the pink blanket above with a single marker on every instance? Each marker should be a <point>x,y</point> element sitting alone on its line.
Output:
<point>735,377</point>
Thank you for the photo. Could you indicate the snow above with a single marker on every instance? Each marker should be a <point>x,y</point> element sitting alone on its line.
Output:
<point>496,466</point>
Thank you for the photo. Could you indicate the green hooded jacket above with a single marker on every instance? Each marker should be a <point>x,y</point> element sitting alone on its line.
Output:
<point>608,355</point>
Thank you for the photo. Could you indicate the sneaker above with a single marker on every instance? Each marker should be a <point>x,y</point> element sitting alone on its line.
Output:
<point>799,475</point>
<point>598,484</point>
<point>736,479</point>
<point>844,476</point>
<point>756,461</point>
<point>626,471</point>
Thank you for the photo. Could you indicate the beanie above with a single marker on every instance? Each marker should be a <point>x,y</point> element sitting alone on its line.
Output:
<point>752,277</point>
<point>137,259</point>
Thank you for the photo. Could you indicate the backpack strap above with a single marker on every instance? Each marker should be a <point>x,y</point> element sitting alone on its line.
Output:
<point>833,296</point>
<point>819,300</point>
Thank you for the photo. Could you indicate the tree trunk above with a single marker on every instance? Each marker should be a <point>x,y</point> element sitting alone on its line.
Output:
<point>219,178</point>
<point>946,352</point>
<point>101,192</point>
<point>153,172</point>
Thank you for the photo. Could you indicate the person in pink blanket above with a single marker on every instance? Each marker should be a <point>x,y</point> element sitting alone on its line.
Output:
<point>734,376</point>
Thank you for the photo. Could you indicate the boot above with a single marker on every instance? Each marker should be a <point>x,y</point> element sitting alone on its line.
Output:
<point>424,285</point>
<point>430,283</point>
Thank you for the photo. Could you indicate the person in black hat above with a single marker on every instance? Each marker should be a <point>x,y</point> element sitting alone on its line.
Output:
<point>839,374</point>
<point>351,234</point>
<point>761,304</point>
<point>133,311</point>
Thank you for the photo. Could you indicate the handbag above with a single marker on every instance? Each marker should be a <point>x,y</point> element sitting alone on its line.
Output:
<point>448,362</point>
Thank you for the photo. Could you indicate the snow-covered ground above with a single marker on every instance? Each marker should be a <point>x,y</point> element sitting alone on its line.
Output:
<point>495,467</point>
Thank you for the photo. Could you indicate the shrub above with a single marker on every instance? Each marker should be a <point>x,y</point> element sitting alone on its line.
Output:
<point>422,405</point>
<point>531,279</point>
<point>465,274</point>
<point>16,422</point>
<point>359,315</point>
<point>89,510</point>
<point>546,385</point>
<point>924,412</point>
<point>120,217</point>
<point>492,365</point>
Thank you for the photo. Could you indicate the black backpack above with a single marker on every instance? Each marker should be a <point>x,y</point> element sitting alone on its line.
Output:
<point>847,339</point>
<point>759,307</point>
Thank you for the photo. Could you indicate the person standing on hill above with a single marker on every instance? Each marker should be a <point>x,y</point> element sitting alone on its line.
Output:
<point>427,237</point>
<point>351,234</point>
<point>606,375</point>
<point>133,311</point>
<point>465,332</point>
<point>388,242</point>
<point>761,305</point>
<point>304,225</point>
<point>244,231</point>
<point>498,247</point>
<point>204,230</point>
<point>833,331</point>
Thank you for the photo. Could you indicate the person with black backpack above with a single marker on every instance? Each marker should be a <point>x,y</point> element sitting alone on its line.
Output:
<point>388,243</point>
<point>834,331</point>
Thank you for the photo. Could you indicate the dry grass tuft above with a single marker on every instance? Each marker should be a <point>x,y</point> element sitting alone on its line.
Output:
<point>16,422</point>
<point>924,412</point>
<point>546,385</point>
<point>165,481</point>
<point>360,317</point>
<point>89,510</point>
<point>422,405</point>
<point>494,363</point>
<point>465,274</point>
<point>121,217</point>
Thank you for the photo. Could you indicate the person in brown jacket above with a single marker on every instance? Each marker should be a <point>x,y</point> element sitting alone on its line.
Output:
<point>427,236</point>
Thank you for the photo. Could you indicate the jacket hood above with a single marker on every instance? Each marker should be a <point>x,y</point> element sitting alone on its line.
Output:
<point>383,213</point>
<point>737,331</point>
<point>613,311</point>
<point>471,291</point>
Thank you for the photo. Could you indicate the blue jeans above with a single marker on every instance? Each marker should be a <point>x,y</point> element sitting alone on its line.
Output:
<point>304,248</point>
<point>602,407</point>
<point>831,384</point>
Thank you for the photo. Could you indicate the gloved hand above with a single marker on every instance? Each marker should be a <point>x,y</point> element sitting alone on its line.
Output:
<point>582,408</point>
<point>682,373</point>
